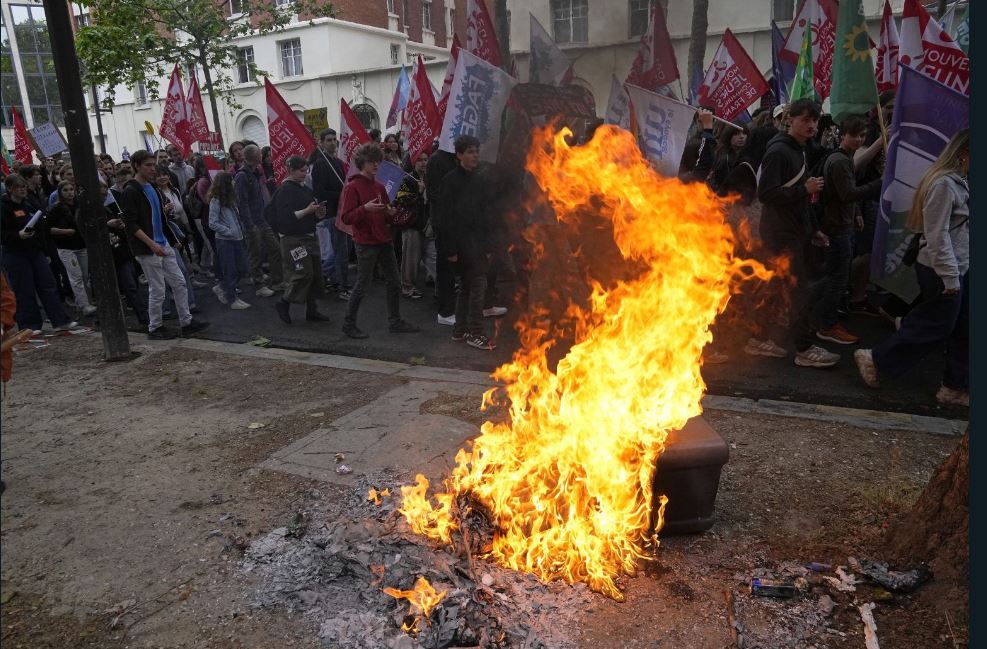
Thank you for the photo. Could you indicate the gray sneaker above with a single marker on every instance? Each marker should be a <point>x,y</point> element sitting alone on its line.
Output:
<point>755,347</point>
<point>816,356</point>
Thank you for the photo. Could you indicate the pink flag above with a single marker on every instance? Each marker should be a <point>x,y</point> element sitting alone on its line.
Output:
<point>22,145</point>
<point>655,64</point>
<point>198,127</point>
<point>926,47</point>
<point>887,52</point>
<point>174,122</point>
<point>351,133</point>
<point>821,16</point>
<point>481,39</point>
<point>733,82</point>
<point>287,134</point>
<point>421,114</point>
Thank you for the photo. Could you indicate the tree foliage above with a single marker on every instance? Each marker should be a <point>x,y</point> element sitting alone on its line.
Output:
<point>138,41</point>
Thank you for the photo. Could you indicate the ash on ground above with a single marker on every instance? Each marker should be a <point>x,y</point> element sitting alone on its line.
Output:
<point>334,566</point>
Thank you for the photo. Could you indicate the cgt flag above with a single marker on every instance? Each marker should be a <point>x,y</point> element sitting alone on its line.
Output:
<point>927,47</point>
<point>549,64</point>
<point>421,115</point>
<point>174,122</point>
<point>926,115</point>
<point>619,107</point>
<point>400,99</point>
<point>662,128</point>
<point>198,127</point>
<point>481,39</point>
<point>732,81</point>
<point>655,65</point>
<point>820,17</point>
<point>887,52</point>
<point>854,89</point>
<point>476,103</point>
<point>22,145</point>
<point>287,134</point>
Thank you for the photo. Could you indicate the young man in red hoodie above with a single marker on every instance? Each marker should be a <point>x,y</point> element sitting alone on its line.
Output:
<point>365,206</point>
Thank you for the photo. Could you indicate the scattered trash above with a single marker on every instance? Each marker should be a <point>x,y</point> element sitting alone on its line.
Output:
<point>772,588</point>
<point>416,360</point>
<point>317,414</point>
<point>870,627</point>
<point>901,582</point>
<point>843,582</point>
<point>736,630</point>
<point>255,425</point>
<point>297,525</point>
<point>819,567</point>
<point>343,469</point>
<point>340,457</point>
<point>881,595</point>
<point>826,605</point>
<point>259,341</point>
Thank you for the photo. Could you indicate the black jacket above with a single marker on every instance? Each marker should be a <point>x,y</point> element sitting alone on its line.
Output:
<point>326,183</point>
<point>64,217</point>
<point>841,193</point>
<point>292,197</point>
<point>463,210</point>
<point>13,218</point>
<point>439,165</point>
<point>137,216</point>
<point>781,190</point>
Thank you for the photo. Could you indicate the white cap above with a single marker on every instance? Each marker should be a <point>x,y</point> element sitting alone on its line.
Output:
<point>778,111</point>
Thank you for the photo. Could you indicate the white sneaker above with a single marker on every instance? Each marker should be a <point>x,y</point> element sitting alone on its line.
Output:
<point>220,294</point>
<point>449,320</point>
<point>277,288</point>
<point>816,356</point>
<point>494,312</point>
<point>68,326</point>
<point>89,309</point>
<point>264,291</point>
<point>199,283</point>
<point>755,347</point>
<point>239,305</point>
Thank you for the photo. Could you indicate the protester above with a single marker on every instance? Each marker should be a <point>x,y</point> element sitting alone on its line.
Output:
<point>22,259</point>
<point>438,167</point>
<point>71,247</point>
<point>297,212</point>
<point>152,242</point>
<point>464,207</point>
<point>841,199</point>
<point>261,240</point>
<point>392,149</point>
<point>786,227</point>
<point>364,205</point>
<point>267,167</point>
<point>940,213</point>
<point>410,202</point>
<point>235,159</point>
<point>184,173</point>
<point>328,174</point>
<point>123,259</point>
<point>66,173</point>
<point>224,220</point>
<point>729,146</point>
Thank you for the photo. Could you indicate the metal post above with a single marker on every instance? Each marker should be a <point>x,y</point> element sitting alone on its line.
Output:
<point>92,221</point>
<point>99,121</point>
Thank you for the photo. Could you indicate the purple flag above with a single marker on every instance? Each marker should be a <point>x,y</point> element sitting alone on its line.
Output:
<point>782,70</point>
<point>390,176</point>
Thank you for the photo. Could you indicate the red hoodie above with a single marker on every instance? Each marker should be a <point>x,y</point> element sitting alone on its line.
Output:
<point>369,228</point>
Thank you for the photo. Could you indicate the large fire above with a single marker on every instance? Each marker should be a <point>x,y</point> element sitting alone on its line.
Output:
<point>567,483</point>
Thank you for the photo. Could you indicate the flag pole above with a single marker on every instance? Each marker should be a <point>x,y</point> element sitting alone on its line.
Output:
<point>335,173</point>
<point>682,103</point>
<point>884,128</point>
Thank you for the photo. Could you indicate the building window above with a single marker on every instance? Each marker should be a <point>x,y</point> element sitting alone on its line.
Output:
<point>82,20</point>
<point>570,21</point>
<point>390,6</point>
<point>291,58</point>
<point>36,62</point>
<point>236,7</point>
<point>255,130</point>
<point>395,54</point>
<point>140,94</point>
<point>10,90</point>
<point>282,3</point>
<point>367,115</point>
<point>245,64</point>
<point>638,16</point>
<point>782,10</point>
<point>451,27</point>
<point>427,16</point>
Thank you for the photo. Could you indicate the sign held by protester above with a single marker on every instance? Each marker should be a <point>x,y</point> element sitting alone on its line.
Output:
<point>287,135</point>
<point>316,120</point>
<point>476,102</point>
<point>733,82</point>
<point>48,139</point>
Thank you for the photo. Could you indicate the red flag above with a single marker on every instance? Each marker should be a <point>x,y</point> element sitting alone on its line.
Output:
<point>351,133</point>
<point>821,15</point>
<point>198,128</point>
<point>22,145</point>
<point>887,52</point>
<point>926,47</point>
<point>174,122</point>
<point>287,134</point>
<point>450,75</point>
<point>213,166</point>
<point>421,114</point>
<point>733,82</point>
<point>481,39</point>
<point>655,64</point>
<point>4,167</point>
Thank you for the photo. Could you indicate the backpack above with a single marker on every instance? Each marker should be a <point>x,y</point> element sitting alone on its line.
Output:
<point>271,212</point>
<point>195,208</point>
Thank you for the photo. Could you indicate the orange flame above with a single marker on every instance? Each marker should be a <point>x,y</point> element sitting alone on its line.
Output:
<point>568,481</point>
<point>422,599</point>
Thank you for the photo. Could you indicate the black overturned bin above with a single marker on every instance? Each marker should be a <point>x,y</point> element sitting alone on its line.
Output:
<point>688,472</point>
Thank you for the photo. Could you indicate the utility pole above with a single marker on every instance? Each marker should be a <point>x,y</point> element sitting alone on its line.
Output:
<point>91,218</point>
<point>99,120</point>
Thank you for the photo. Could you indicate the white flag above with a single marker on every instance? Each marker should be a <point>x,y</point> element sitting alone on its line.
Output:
<point>548,63</point>
<point>663,128</point>
<point>619,107</point>
<point>476,101</point>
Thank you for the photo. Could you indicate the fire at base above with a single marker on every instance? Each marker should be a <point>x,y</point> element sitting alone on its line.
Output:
<point>567,483</point>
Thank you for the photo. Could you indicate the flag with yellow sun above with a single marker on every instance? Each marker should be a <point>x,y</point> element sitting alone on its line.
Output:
<point>854,88</point>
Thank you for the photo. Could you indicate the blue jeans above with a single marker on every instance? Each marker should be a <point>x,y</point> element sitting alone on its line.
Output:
<point>937,319</point>
<point>323,229</point>
<point>341,243</point>
<point>31,279</point>
<point>837,278</point>
<point>234,264</point>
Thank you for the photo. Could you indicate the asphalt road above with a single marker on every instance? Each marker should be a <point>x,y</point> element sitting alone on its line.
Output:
<point>741,376</point>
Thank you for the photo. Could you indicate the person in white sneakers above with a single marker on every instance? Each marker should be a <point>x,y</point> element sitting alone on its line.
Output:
<point>70,245</point>
<point>941,214</point>
<point>224,220</point>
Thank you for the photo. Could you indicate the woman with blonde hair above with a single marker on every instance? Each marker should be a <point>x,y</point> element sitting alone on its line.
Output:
<point>224,220</point>
<point>940,213</point>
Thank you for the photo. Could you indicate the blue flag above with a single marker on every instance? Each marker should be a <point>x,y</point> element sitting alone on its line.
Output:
<point>926,115</point>
<point>400,99</point>
<point>390,176</point>
<point>782,71</point>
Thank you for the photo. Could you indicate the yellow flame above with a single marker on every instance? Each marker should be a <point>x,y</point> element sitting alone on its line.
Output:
<point>421,599</point>
<point>568,480</point>
<point>373,497</point>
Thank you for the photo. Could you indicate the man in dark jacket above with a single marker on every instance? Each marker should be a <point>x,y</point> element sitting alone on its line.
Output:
<point>842,199</point>
<point>328,177</point>
<point>145,214</point>
<point>784,189</point>
<point>439,165</point>
<point>297,215</point>
<point>464,213</point>
<point>251,199</point>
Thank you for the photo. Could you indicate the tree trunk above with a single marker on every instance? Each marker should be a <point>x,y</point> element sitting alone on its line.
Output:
<point>697,42</point>
<point>935,530</point>
<point>502,18</point>
<point>212,94</point>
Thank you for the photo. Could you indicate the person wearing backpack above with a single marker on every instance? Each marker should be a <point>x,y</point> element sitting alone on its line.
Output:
<point>840,215</point>
<point>784,189</point>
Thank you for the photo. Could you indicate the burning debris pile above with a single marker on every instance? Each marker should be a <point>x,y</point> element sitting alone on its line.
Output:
<point>374,585</point>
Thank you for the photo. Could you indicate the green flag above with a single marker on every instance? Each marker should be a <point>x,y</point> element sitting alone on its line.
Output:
<point>803,85</point>
<point>854,84</point>
<point>961,33</point>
